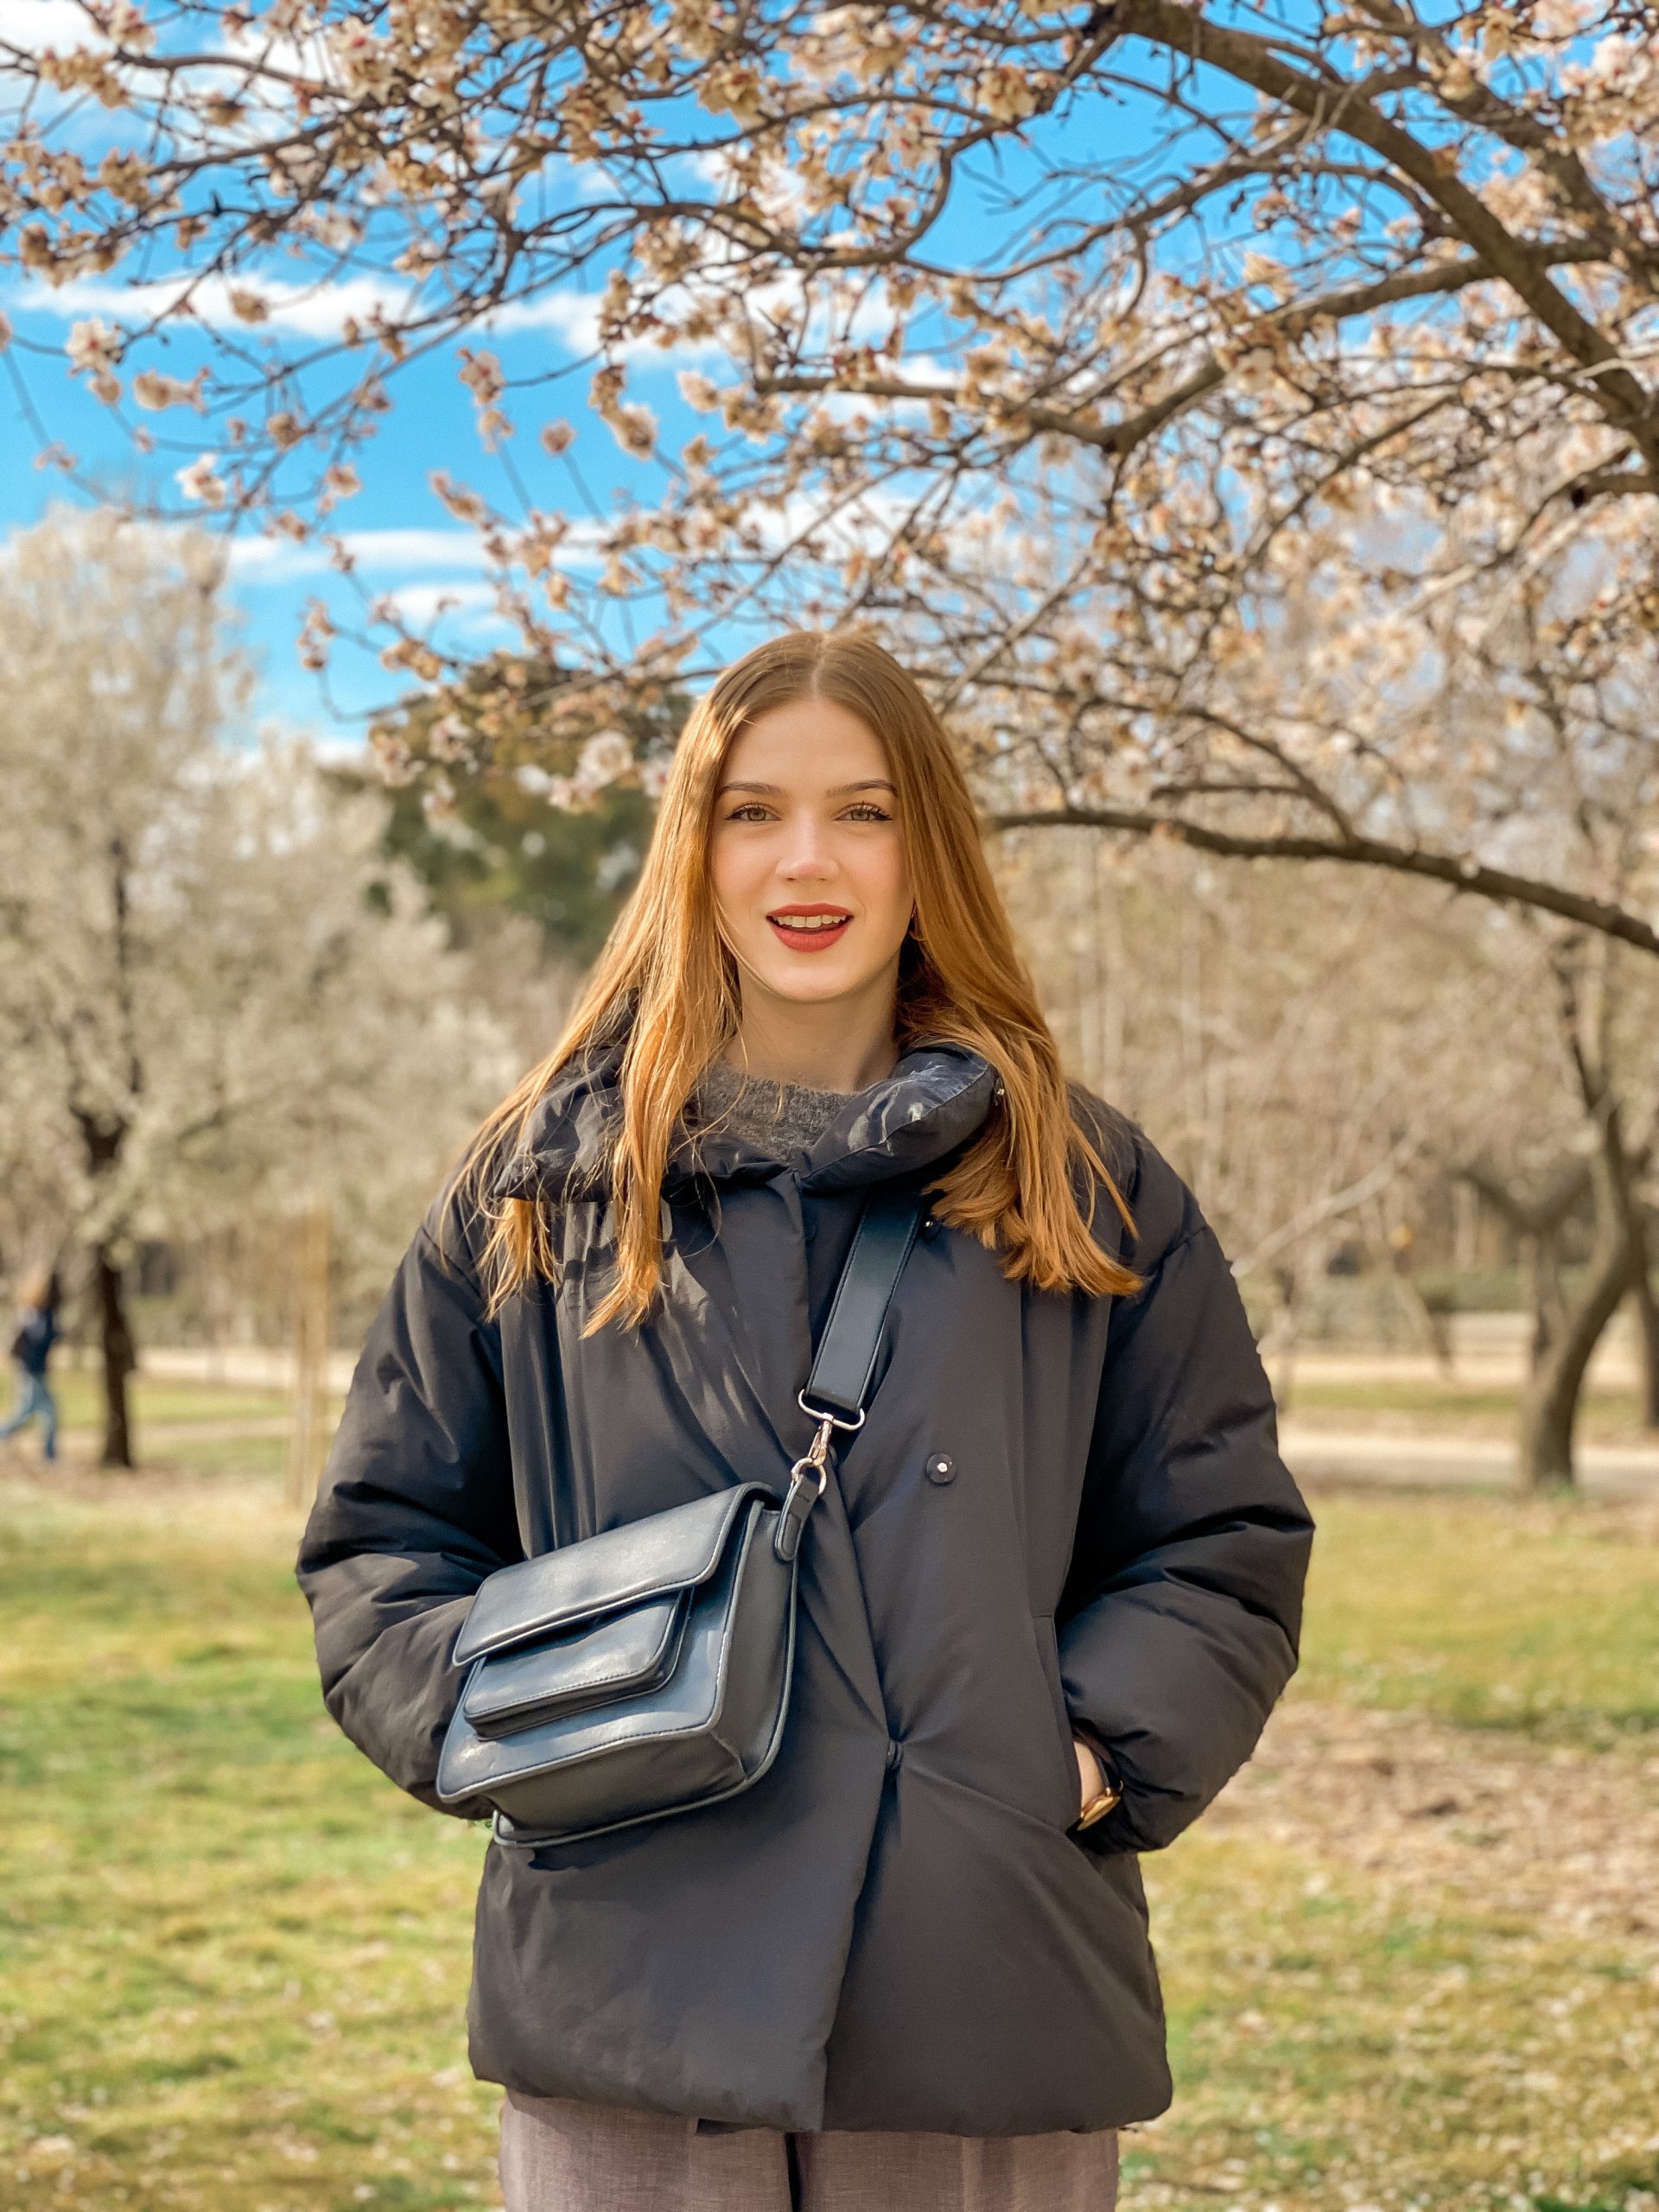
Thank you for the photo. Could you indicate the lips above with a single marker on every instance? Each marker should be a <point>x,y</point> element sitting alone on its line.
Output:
<point>809,929</point>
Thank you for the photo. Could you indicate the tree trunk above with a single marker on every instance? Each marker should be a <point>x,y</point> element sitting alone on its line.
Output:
<point>1541,1269</point>
<point>1433,1328</point>
<point>1536,1225</point>
<point>1281,1338</point>
<point>115,1339</point>
<point>1550,1406</point>
<point>1646,1322</point>
<point>308,1437</point>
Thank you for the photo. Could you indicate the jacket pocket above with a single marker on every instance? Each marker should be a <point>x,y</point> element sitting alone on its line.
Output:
<point>1048,1651</point>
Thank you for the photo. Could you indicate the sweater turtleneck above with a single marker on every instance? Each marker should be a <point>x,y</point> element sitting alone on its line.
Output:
<point>780,1118</point>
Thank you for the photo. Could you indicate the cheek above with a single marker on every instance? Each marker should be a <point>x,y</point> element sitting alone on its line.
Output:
<point>729,879</point>
<point>886,888</point>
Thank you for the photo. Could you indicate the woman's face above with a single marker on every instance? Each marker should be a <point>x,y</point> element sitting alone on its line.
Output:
<point>806,855</point>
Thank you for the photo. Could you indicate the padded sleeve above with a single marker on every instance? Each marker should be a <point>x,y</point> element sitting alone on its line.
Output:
<point>414,1509</point>
<point>1179,1624</point>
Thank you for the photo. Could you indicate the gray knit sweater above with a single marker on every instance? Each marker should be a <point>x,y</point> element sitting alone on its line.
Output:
<point>782,1118</point>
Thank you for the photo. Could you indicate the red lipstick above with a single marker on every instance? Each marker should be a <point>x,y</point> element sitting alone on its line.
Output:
<point>809,927</point>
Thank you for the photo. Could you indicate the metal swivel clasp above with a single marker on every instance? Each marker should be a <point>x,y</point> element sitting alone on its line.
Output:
<point>808,1478</point>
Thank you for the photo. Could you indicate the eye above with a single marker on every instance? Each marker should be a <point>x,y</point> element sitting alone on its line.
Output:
<point>747,806</point>
<point>867,811</point>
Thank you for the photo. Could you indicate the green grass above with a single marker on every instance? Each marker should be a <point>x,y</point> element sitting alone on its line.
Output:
<point>202,1428</point>
<point>1486,1612</point>
<point>159,1399</point>
<point>212,1454</point>
<point>233,1959</point>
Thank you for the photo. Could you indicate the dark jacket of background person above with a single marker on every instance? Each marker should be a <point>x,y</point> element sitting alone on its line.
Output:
<point>37,1332</point>
<point>894,1928</point>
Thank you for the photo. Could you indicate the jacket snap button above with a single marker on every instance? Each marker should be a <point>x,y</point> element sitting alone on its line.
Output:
<point>930,1226</point>
<point>941,1468</point>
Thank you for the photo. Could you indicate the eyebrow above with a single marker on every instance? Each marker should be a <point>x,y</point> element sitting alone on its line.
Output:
<point>838,790</point>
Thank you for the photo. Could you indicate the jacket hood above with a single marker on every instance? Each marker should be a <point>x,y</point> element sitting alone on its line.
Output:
<point>936,1097</point>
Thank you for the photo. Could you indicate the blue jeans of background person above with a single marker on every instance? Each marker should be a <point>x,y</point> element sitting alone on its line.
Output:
<point>35,1403</point>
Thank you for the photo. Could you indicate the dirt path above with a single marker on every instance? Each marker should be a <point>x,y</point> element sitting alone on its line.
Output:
<point>1389,1458</point>
<point>1567,1839</point>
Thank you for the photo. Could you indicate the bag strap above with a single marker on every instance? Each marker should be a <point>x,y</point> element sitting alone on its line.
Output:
<point>845,1359</point>
<point>852,1335</point>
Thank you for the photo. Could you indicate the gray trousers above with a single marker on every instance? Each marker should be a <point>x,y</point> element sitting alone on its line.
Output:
<point>559,2155</point>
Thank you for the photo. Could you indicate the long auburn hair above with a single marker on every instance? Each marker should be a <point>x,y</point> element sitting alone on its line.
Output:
<point>666,967</point>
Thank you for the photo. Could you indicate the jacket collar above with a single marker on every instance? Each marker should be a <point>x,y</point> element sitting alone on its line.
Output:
<point>936,1096</point>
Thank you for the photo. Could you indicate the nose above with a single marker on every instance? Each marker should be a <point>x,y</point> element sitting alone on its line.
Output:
<point>807,856</point>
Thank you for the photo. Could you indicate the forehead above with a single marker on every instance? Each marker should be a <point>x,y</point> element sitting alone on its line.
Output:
<point>807,744</point>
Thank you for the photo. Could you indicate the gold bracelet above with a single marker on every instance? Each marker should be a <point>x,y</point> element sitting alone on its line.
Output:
<point>1099,1805</point>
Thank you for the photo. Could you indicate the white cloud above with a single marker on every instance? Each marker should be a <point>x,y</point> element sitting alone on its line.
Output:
<point>315,310</point>
<point>278,560</point>
<point>335,748</point>
<point>573,318</point>
<point>32,25</point>
<point>417,605</point>
<point>256,561</point>
<point>567,179</point>
<point>925,371</point>
<point>320,310</point>
<point>253,45</point>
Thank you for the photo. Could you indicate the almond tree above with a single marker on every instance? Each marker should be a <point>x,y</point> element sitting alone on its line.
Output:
<point>1217,1005</point>
<point>1018,310</point>
<point>202,1006</point>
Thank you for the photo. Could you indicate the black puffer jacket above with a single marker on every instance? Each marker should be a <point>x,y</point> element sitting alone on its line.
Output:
<point>892,1928</point>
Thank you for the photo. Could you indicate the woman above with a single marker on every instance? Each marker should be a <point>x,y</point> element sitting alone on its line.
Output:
<point>1048,1597</point>
<point>31,1349</point>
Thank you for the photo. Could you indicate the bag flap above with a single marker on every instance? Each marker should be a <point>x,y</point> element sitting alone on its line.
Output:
<point>621,1652</point>
<point>602,1573</point>
<point>685,1706</point>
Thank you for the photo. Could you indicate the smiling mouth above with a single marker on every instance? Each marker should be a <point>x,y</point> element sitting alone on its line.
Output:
<point>809,929</point>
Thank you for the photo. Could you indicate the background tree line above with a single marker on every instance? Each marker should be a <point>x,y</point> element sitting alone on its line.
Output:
<point>236,981</point>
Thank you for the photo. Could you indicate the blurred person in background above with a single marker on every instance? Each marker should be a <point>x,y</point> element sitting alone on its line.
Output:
<point>31,1349</point>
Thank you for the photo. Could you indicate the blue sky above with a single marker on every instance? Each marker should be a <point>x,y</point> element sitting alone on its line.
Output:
<point>405,539</point>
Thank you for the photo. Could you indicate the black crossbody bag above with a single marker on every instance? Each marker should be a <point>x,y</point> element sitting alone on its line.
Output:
<point>646,1670</point>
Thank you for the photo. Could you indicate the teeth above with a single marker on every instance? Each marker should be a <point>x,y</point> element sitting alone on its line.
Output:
<point>809,921</point>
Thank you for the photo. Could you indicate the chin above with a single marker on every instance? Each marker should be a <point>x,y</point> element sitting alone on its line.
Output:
<point>812,989</point>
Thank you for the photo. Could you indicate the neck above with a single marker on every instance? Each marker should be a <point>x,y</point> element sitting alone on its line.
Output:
<point>845,1046</point>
